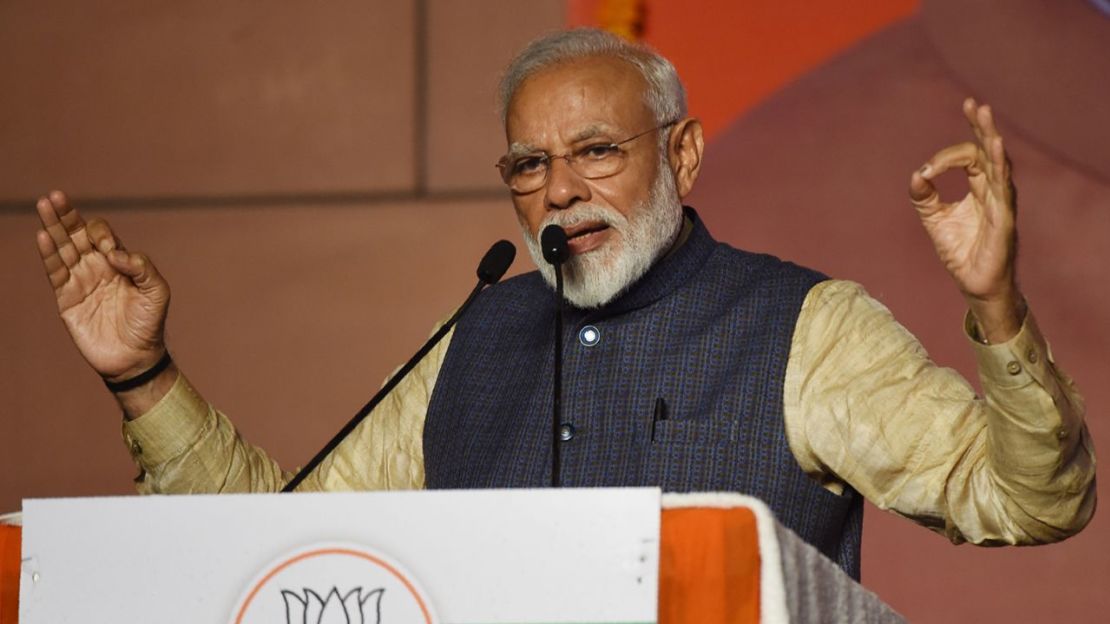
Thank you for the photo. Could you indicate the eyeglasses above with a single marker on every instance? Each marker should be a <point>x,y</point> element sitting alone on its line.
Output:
<point>528,173</point>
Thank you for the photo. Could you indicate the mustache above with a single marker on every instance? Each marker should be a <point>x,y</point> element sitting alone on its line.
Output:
<point>582,214</point>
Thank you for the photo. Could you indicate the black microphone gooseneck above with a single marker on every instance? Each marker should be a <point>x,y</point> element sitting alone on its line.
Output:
<point>553,241</point>
<point>490,269</point>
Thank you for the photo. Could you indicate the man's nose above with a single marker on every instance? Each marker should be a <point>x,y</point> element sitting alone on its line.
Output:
<point>564,186</point>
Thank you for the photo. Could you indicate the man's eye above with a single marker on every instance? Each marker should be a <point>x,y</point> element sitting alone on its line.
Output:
<point>529,165</point>
<point>601,151</point>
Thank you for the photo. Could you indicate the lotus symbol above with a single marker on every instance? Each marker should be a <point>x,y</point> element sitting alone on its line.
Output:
<point>353,608</point>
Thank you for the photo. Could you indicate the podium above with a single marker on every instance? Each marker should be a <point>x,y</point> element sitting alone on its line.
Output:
<point>461,557</point>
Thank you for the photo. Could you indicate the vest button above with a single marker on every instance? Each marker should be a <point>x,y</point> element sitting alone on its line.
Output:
<point>566,432</point>
<point>589,336</point>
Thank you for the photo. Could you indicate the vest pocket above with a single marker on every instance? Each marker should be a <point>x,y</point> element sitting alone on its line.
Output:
<point>692,455</point>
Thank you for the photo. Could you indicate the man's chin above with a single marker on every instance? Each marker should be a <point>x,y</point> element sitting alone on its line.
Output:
<point>590,280</point>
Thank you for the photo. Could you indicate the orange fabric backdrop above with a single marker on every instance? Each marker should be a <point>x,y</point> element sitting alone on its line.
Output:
<point>732,55</point>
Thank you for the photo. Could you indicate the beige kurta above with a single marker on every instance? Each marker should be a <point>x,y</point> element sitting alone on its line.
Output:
<point>863,405</point>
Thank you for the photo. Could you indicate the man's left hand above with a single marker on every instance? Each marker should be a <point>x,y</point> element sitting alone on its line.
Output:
<point>975,237</point>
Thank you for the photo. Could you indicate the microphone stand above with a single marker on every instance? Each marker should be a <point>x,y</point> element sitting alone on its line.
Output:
<point>557,402</point>
<point>553,242</point>
<point>493,266</point>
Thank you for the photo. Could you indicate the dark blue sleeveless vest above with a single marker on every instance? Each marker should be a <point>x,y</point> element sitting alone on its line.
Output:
<point>707,330</point>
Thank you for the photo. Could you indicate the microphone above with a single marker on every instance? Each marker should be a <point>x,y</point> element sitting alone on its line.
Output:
<point>553,242</point>
<point>496,261</point>
<point>492,267</point>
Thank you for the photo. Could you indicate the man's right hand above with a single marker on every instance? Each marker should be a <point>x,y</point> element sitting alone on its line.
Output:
<point>112,301</point>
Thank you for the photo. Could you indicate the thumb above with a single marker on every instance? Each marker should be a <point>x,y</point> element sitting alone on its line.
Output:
<point>139,268</point>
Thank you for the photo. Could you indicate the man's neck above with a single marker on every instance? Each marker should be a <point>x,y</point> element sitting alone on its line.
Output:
<point>683,235</point>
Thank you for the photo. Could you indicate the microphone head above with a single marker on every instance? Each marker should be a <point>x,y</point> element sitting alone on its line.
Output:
<point>553,242</point>
<point>496,261</point>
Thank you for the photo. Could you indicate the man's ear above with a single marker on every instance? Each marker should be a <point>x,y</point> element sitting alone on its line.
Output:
<point>684,151</point>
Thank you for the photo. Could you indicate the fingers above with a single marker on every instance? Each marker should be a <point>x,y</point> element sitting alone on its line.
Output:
<point>965,155</point>
<point>70,235</point>
<point>70,220</point>
<point>971,113</point>
<point>56,270</point>
<point>922,190</point>
<point>102,237</point>
<point>988,169</point>
<point>981,119</point>
<point>923,193</point>
<point>999,167</point>
<point>51,216</point>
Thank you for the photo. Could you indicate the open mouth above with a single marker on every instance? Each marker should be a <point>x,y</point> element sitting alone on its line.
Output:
<point>586,229</point>
<point>586,237</point>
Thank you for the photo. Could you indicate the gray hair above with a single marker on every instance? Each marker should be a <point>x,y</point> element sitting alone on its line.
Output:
<point>665,95</point>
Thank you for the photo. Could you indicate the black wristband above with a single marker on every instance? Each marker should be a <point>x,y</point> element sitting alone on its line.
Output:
<point>127,384</point>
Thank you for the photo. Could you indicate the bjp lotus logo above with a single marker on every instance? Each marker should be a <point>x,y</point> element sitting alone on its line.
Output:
<point>327,584</point>
<point>353,608</point>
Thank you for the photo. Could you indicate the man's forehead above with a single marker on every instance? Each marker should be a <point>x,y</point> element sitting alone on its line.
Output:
<point>577,100</point>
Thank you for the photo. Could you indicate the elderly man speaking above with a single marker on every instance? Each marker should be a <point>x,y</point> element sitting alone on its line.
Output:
<point>689,364</point>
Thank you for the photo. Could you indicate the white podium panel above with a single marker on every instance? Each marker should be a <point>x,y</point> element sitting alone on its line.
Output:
<point>463,557</point>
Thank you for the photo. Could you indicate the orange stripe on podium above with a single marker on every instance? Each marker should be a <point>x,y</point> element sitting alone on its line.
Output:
<point>709,566</point>
<point>9,573</point>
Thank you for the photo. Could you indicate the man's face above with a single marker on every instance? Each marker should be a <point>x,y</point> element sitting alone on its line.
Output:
<point>616,225</point>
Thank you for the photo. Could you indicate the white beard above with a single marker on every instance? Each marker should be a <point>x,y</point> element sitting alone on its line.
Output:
<point>595,278</point>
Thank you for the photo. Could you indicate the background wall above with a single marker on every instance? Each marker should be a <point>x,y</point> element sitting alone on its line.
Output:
<point>316,181</point>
